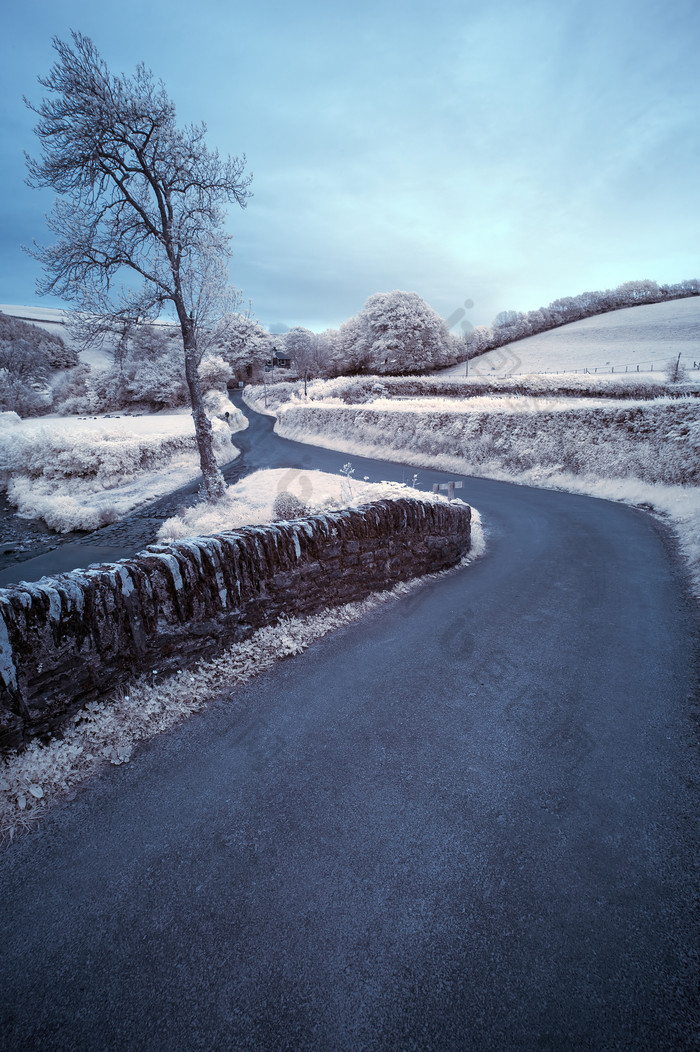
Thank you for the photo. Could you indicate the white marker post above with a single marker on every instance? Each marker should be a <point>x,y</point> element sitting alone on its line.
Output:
<point>449,486</point>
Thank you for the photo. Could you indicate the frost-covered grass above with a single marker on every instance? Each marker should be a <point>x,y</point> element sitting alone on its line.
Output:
<point>250,501</point>
<point>80,473</point>
<point>106,731</point>
<point>643,453</point>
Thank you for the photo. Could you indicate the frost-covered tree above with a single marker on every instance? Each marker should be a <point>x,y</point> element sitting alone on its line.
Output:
<point>644,291</point>
<point>215,372</point>
<point>51,347</point>
<point>507,317</point>
<point>150,373</point>
<point>140,206</point>
<point>23,378</point>
<point>328,353</point>
<point>396,332</point>
<point>300,345</point>
<point>245,345</point>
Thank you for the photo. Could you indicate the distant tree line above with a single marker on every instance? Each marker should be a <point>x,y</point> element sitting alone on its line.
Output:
<point>394,334</point>
<point>513,325</point>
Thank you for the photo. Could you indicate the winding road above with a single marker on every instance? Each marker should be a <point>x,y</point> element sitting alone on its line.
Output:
<point>467,822</point>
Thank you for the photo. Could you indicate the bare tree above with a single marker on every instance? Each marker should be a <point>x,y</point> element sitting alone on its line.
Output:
<point>140,215</point>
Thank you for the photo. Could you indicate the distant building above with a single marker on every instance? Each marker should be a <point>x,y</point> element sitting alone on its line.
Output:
<point>280,359</point>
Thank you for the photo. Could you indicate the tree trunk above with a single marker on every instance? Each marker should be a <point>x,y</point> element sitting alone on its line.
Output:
<point>214,485</point>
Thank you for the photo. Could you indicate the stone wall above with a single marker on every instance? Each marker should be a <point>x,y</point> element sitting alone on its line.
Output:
<point>71,637</point>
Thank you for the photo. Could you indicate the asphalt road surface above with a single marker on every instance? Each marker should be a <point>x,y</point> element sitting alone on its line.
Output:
<point>468,822</point>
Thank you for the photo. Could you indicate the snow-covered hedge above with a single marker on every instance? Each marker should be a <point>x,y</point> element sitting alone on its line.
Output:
<point>657,442</point>
<point>109,455</point>
<point>356,390</point>
<point>79,475</point>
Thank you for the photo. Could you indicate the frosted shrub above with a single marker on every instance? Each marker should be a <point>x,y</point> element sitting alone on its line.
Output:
<point>67,475</point>
<point>358,390</point>
<point>223,447</point>
<point>83,391</point>
<point>287,506</point>
<point>152,378</point>
<point>81,474</point>
<point>676,372</point>
<point>62,513</point>
<point>158,382</point>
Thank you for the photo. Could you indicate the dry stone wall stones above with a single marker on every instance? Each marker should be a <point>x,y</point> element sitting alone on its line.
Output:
<point>71,637</point>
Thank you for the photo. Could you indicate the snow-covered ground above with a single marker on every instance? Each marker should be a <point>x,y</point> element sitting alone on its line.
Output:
<point>647,337</point>
<point>81,473</point>
<point>47,317</point>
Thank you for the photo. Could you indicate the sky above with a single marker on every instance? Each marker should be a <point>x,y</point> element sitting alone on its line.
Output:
<point>487,155</point>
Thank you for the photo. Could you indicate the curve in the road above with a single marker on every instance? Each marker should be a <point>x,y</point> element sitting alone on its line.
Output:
<point>468,822</point>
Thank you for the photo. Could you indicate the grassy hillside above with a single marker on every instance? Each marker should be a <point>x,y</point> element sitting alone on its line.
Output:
<point>644,338</point>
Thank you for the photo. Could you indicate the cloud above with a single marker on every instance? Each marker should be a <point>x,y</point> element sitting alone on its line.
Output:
<point>507,153</point>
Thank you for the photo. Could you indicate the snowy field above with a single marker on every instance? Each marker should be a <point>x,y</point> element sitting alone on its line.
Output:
<point>82,473</point>
<point>50,318</point>
<point>647,337</point>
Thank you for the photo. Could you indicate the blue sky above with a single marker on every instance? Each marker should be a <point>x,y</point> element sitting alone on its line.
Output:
<point>505,153</point>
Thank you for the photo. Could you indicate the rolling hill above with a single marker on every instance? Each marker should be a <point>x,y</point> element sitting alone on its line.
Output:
<point>635,339</point>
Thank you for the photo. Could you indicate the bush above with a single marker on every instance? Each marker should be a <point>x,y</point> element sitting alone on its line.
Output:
<point>23,378</point>
<point>676,373</point>
<point>286,506</point>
